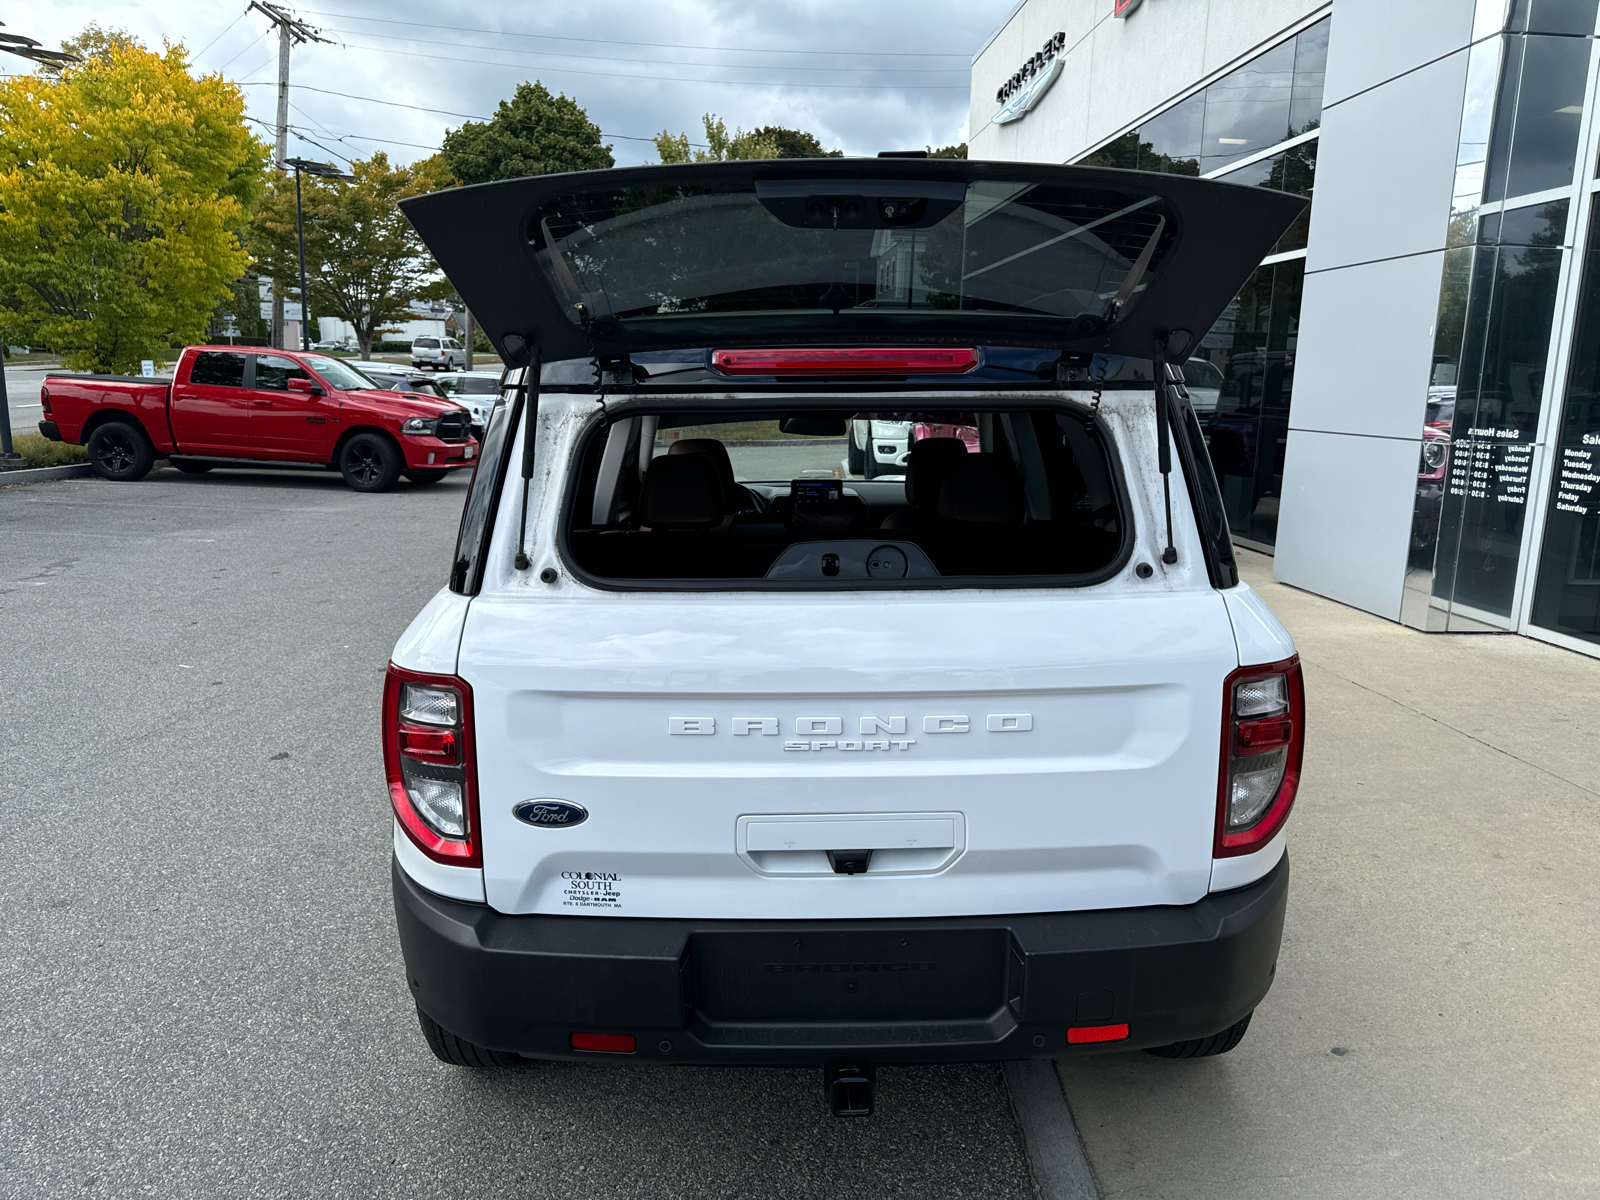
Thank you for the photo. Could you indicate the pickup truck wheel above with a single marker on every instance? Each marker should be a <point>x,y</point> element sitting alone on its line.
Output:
<point>1206,1047</point>
<point>189,467</point>
<point>426,476</point>
<point>458,1052</point>
<point>120,451</point>
<point>370,463</point>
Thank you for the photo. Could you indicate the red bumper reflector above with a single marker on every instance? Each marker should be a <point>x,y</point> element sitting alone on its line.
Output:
<point>876,361</point>
<point>1096,1033</point>
<point>608,1043</point>
<point>428,745</point>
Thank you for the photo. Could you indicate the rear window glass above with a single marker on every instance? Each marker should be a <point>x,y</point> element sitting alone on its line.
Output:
<point>486,385</point>
<point>858,499</point>
<point>655,255</point>
<point>426,343</point>
<point>213,369</point>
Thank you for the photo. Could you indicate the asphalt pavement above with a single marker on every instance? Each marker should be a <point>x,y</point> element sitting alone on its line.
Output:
<point>203,993</point>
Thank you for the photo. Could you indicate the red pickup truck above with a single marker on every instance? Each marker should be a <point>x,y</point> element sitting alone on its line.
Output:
<point>246,406</point>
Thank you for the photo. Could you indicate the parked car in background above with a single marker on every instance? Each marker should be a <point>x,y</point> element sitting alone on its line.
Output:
<point>397,378</point>
<point>962,428</point>
<point>475,391</point>
<point>440,353</point>
<point>245,406</point>
<point>877,448</point>
<point>1203,381</point>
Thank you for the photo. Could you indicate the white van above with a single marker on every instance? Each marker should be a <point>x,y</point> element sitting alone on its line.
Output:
<point>707,754</point>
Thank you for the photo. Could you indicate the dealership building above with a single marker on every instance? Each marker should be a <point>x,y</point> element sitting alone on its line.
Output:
<point>1403,402</point>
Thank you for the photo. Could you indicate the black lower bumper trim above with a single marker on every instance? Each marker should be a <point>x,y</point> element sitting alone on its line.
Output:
<point>48,428</point>
<point>807,992</point>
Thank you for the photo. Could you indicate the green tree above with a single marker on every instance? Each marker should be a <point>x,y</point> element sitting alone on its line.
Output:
<point>957,151</point>
<point>796,143</point>
<point>364,262</point>
<point>725,146</point>
<point>533,133</point>
<point>124,182</point>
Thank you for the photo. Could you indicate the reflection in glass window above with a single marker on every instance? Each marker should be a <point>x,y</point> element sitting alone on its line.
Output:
<point>1275,96</point>
<point>1170,143</point>
<point>1251,348</point>
<point>214,369</point>
<point>1310,65</point>
<point>1537,115</point>
<point>1248,109</point>
<point>1567,595</point>
<point>1504,328</point>
<point>274,373</point>
<point>1552,16</point>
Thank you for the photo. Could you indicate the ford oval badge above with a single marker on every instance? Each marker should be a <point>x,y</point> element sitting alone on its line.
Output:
<point>549,814</point>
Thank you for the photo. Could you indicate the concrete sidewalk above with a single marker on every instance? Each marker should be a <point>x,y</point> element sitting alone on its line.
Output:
<point>1435,1026</point>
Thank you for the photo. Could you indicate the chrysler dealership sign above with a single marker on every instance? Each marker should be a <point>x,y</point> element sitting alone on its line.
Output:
<point>1030,82</point>
<point>1121,8</point>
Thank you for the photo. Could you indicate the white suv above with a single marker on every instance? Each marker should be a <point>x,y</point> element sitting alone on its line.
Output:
<point>709,755</point>
<point>440,353</point>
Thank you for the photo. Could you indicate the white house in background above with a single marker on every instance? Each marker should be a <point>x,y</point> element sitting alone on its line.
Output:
<point>429,318</point>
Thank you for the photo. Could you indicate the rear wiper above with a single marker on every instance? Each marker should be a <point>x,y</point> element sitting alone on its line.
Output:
<point>1140,265</point>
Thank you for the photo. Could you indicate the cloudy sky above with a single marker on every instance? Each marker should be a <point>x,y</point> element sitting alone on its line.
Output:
<point>863,75</point>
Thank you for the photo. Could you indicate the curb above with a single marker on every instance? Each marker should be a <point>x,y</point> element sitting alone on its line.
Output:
<point>1049,1134</point>
<point>44,474</point>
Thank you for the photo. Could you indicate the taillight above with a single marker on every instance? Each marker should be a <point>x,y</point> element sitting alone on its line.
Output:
<point>429,759</point>
<point>44,401</point>
<point>1263,738</point>
<point>849,361</point>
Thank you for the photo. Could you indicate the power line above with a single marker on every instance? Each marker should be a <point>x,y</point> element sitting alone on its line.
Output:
<point>665,62</point>
<point>552,37</point>
<point>443,112</point>
<point>220,36</point>
<point>247,46</point>
<point>859,87</point>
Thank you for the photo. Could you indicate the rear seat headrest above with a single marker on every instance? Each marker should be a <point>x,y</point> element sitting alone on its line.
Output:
<point>712,449</point>
<point>981,489</point>
<point>926,466</point>
<point>682,491</point>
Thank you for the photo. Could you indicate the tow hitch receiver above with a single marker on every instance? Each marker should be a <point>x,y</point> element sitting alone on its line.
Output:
<point>851,1087</point>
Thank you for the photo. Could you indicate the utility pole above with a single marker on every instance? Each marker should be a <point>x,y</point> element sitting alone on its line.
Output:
<point>467,334</point>
<point>291,31</point>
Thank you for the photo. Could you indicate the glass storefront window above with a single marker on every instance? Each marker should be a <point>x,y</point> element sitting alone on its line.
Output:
<point>1503,311</point>
<point>1245,417</point>
<point>1171,142</point>
<point>1293,171</point>
<point>1552,16</point>
<point>1566,595</point>
<point>1275,96</point>
<point>1537,115</point>
<point>1248,109</point>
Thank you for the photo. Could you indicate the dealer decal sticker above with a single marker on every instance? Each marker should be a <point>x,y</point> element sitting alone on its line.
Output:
<point>591,889</point>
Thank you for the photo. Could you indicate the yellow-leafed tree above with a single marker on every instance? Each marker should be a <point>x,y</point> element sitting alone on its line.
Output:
<point>124,182</point>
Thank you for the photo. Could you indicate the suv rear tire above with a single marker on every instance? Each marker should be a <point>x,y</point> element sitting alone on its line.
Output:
<point>1206,1047</point>
<point>120,451</point>
<point>370,462</point>
<point>459,1052</point>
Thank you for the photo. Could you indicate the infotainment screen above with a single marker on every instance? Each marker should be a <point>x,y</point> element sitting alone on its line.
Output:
<point>816,489</point>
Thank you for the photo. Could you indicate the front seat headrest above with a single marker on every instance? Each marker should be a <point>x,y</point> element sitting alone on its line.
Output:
<point>983,489</point>
<point>926,466</point>
<point>682,492</point>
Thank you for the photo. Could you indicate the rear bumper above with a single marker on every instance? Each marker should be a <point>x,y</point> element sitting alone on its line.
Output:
<point>48,428</point>
<point>804,992</point>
